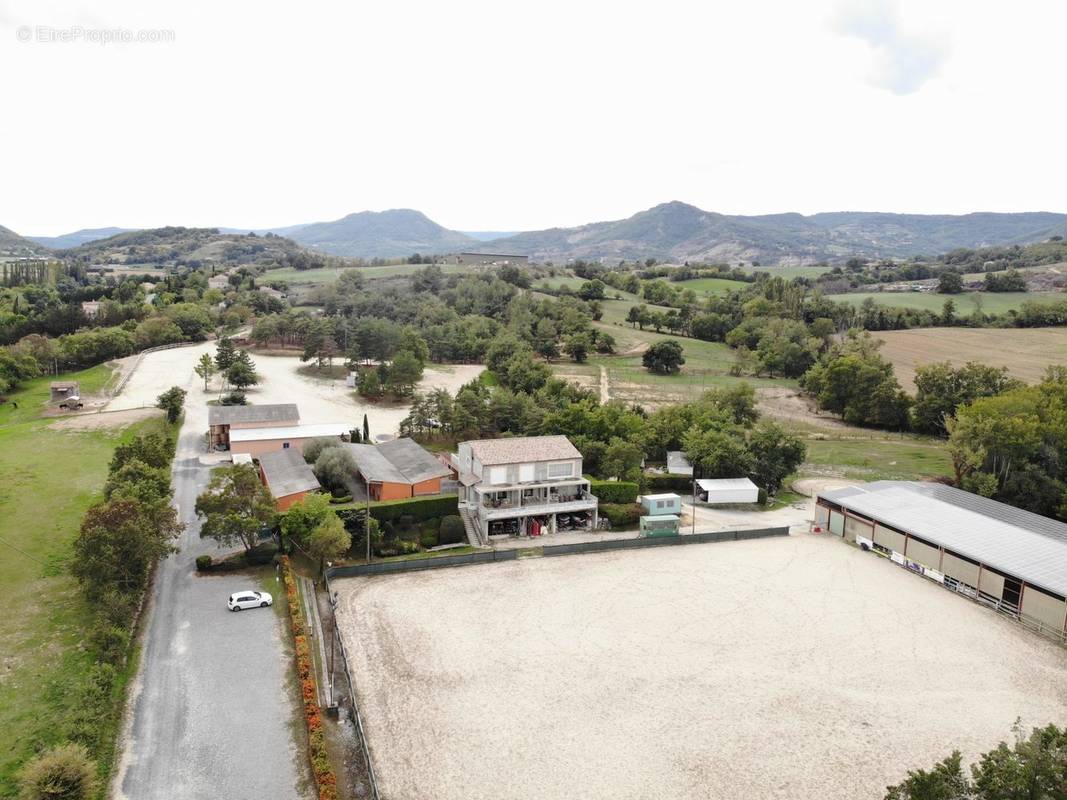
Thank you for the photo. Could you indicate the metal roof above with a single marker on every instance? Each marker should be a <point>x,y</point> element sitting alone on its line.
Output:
<point>667,496</point>
<point>1024,545</point>
<point>397,461</point>
<point>289,432</point>
<point>229,415</point>
<point>726,484</point>
<point>519,449</point>
<point>678,464</point>
<point>286,473</point>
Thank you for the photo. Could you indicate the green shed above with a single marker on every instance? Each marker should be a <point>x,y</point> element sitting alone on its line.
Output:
<point>660,525</point>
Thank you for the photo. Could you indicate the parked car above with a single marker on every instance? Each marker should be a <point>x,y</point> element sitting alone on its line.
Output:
<point>249,599</point>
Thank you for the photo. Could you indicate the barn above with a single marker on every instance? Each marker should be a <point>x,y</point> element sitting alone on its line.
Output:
<point>1010,559</point>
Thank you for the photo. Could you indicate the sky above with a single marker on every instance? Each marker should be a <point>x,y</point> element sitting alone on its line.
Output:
<point>507,116</point>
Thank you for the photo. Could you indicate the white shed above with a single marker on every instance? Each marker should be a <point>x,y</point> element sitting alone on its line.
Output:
<point>727,490</point>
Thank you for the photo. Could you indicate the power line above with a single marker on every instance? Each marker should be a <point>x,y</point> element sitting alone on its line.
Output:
<point>32,558</point>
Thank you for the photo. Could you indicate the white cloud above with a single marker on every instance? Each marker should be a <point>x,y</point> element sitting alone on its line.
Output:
<point>904,59</point>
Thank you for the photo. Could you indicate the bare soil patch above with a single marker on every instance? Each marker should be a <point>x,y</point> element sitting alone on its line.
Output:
<point>1026,352</point>
<point>786,668</point>
<point>793,405</point>
<point>104,420</point>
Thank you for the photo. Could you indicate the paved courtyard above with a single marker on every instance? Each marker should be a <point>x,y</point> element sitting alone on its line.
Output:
<point>783,668</point>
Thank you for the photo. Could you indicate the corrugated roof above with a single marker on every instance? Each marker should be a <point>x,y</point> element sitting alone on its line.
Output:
<point>287,473</point>
<point>1025,545</point>
<point>678,464</point>
<point>228,415</point>
<point>523,448</point>
<point>397,461</point>
<point>289,432</point>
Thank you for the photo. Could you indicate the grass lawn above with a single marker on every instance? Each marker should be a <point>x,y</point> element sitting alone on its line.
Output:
<point>992,302</point>
<point>48,478</point>
<point>33,395</point>
<point>883,456</point>
<point>789,272</point>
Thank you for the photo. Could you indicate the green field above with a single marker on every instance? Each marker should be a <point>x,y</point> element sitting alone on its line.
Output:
<point>713,285</point>
<point>880,457</point>
<point>992,302</point>
<point>297,277</point>
<point>48,478</point>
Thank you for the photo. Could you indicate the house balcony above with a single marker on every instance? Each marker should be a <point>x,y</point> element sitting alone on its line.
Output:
<point>497,504</point>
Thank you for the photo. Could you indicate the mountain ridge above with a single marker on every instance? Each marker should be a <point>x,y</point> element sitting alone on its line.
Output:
<point>672,231</point>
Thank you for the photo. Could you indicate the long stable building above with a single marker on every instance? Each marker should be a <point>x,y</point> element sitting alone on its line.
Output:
<point>1005,557</point>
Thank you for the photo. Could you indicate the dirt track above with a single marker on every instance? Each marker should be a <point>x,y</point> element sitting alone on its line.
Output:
<point>787,668</point>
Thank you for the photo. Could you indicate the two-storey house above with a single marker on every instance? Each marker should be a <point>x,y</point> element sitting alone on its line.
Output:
<point>525,486</point>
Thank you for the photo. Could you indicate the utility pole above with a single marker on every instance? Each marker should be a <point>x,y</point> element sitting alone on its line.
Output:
<point>366,521</point>
<point>694,504</point>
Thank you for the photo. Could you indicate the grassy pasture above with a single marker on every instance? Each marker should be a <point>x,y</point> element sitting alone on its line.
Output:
<point>48,478</point>
<point>712,285</point>
<point>1026,352</point>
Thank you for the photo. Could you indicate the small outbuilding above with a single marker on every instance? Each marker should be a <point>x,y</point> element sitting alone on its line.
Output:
<point>654,525</point>
<point>64,390</point>
<point>659,504</point>
<point>722,491</point>
<point>288,477</point>
<point>397,469</point>
<point>678,464</point>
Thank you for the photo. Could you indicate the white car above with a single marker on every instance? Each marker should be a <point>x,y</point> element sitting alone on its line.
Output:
<point>249,599</point>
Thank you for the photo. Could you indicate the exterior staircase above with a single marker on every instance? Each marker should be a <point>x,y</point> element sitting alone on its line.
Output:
<point>471,527</point>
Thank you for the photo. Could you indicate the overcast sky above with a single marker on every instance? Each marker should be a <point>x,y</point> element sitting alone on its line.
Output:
<point>505,116</point>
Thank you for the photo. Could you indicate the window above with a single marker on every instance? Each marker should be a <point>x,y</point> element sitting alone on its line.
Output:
<point>660,504</point>
<point>285,445</point>
<point>563,469</point>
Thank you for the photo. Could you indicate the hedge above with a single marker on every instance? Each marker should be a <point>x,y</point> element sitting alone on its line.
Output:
<point>321,769</point>
<point>614,491</point>
<point>669,483</point>
<point>418,508</point>
<point>622,515</point>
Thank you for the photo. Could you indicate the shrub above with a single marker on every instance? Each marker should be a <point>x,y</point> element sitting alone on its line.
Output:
<point>428,540</point>
<point>262,553</point>
<point>313,449</point>
<point>621,515</point>
<point>63,773</point>
<point>346,498</point>
<point>234,399</point>
<point>203,563</point>
<point>452,531</point>
<point>668,483</point>
<point>110,642</point>
<point>761,497</point>
<point>418,508</point>
<point>614,491</point>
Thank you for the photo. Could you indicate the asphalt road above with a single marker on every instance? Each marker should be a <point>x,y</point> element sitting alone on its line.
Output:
<point>214,707</point>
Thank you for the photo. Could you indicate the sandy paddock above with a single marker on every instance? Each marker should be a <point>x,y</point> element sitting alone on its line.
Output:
<point>319,400</point>
<point>787,668</point>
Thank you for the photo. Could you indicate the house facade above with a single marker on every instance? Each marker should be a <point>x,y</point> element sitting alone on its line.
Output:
<point>524,486</point>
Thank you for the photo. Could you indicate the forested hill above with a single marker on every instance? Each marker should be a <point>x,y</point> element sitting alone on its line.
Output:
<point>382,234</point>
<point>679,232</point>
<point>193,247</point>
<point>13,245</point>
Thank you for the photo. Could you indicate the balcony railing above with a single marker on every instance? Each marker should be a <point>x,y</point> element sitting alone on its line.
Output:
<point>517,501</point>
